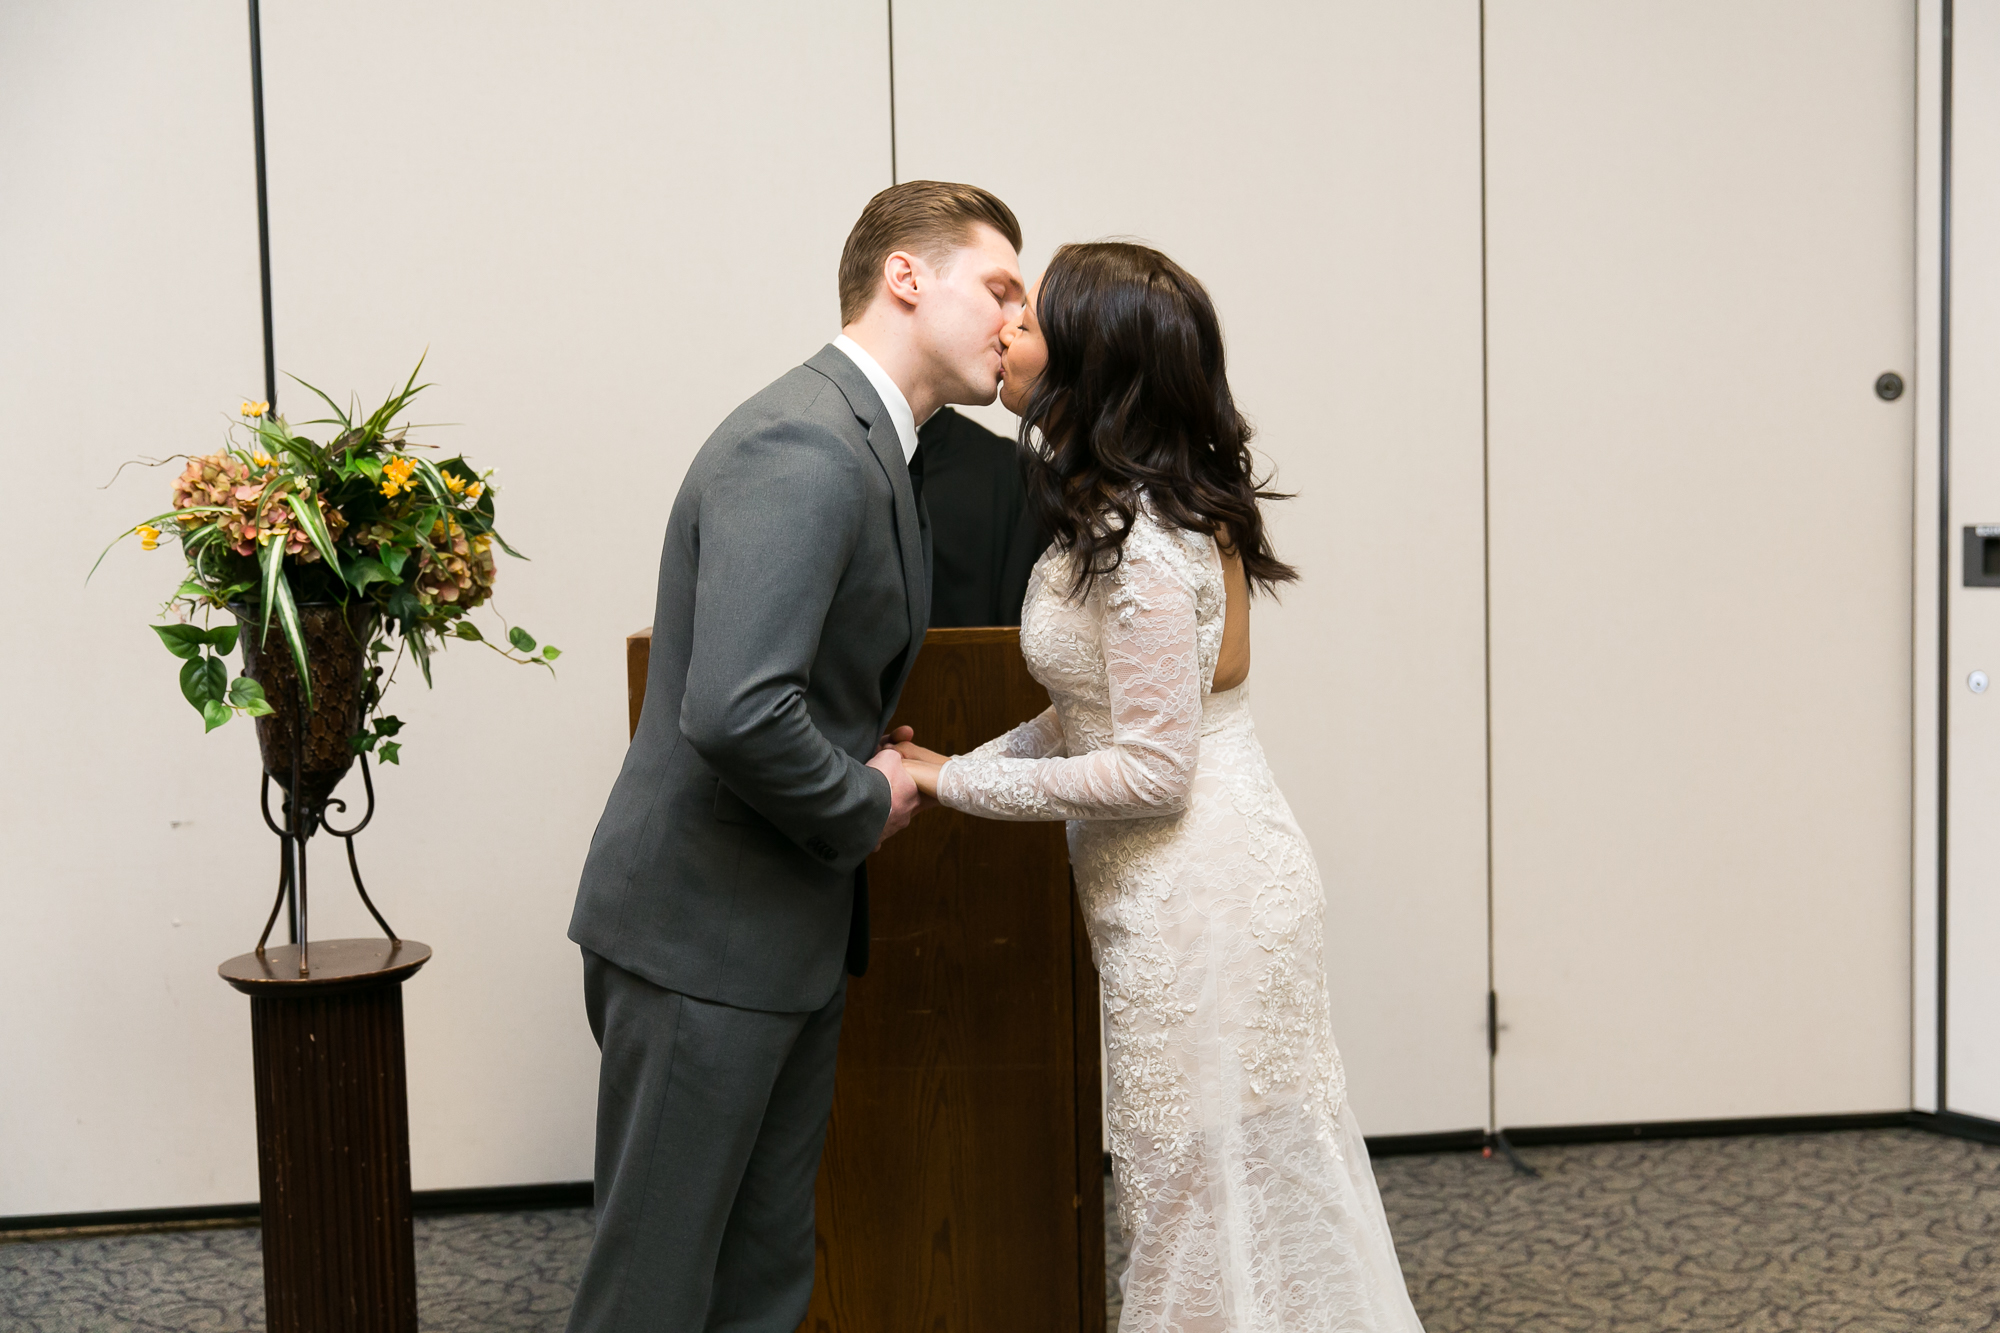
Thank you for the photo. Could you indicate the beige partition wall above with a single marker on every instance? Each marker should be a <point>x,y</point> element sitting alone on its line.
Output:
<point>1318,168</point>
<point>609,225</point>
<point>131,859</point>
<point>1700,259</point>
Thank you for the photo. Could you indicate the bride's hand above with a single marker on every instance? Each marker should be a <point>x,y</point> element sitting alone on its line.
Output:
<point>914,753</point>
<point>923,773</point>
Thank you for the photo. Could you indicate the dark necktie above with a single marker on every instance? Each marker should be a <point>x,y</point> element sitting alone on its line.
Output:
<point>917,473</point>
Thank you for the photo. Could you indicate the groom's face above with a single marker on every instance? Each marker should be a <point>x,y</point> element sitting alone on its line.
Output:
<point>973,301</point>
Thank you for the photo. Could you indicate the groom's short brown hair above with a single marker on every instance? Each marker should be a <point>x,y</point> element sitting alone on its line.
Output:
<point>926,218</point>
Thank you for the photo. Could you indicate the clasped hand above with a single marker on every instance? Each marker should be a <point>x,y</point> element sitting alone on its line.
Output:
<point>912,772</point>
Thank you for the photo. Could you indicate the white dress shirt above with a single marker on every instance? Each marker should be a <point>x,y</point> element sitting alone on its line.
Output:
<point>892,397</point>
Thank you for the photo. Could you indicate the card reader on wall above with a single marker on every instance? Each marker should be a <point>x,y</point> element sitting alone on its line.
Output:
<point>1982,556</point>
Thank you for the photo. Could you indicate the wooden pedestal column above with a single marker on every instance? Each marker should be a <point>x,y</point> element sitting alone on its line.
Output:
<point>333,1134</point>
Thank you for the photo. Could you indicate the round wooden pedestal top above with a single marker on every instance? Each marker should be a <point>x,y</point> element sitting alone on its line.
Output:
<point>332,964</point>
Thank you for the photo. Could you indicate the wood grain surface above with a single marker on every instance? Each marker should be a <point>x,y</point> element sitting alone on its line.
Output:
<point>638,657</point>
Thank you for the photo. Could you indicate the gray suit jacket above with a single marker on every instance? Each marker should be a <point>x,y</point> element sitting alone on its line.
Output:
<point>794,595</point>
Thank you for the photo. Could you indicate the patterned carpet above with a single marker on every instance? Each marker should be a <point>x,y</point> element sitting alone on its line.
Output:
<point>1876,1231</point>
<point>504,1272</point>
<point>1884,1231</point>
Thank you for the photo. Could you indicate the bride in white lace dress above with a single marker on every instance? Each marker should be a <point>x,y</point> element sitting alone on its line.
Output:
<point>1243,1185</point>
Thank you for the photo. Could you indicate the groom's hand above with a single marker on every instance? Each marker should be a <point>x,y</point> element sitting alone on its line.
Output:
<point>904,800</point>
<point>904,741</point>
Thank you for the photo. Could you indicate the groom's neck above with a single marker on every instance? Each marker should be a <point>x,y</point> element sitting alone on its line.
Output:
<point>895,350</point>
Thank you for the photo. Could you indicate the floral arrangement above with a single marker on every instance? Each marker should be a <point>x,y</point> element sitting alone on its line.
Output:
<point>275,520</point>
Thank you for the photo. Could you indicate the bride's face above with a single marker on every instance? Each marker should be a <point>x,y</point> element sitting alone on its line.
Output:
<point>1025,356</point>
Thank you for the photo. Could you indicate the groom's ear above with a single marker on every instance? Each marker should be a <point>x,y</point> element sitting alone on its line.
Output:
<point>904,276</point>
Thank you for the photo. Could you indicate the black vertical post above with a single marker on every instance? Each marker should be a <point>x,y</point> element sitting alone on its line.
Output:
<point>299,822</point>
<point>894,179</point>
<point>263,202</point>
<point>1944,541</point>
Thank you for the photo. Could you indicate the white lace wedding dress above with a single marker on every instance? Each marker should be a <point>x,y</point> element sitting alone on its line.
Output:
<point>1243,1184</point>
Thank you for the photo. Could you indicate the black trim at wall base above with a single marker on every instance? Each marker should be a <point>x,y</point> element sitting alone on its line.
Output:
<point>1538,1136</point>
<point>1957,1126</point>
<point>488,1199</point>
<point>1406,1145</point>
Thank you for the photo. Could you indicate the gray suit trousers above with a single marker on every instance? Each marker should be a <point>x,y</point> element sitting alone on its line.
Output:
<point>710,1121</point>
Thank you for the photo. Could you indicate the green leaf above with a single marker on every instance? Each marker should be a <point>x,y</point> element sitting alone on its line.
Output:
<point>154,521</point>
<point>388,726</point>
<point>222,638</point>
<point>505,547</point>
<point>366,570</point>
<point>261,708</point>
<point>194,684</point>
<point>550,652</point>
<point>521,639</point>
<point>315,526</point>
<point>272,559</point>
<point>183,641</point>
<point>288,618</point>
<point>402,605</point>
<point>190,588</point>
<point>390,751</point>
<point>393,558</point>
<point>338,415</point>
<point>378,422</point>
<point>298,446</point>
<point>465,629</point>
<point>434,482</point>
<point>421,524</point>
<point>204,680</point>
<point>244,692</point>
<point>421,651</point>
<point>213,714</point>
<point>369,467</point>
<point>363,743</point>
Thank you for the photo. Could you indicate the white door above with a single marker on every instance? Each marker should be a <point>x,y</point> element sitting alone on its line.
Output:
<point>1972,839</point>
<point>1700,257</point>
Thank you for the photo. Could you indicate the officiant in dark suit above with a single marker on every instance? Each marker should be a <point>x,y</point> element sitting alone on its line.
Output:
<point>984,537</point>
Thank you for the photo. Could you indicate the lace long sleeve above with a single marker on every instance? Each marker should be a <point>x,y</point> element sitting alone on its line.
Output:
<point>1037,738</point>
<point>1145,611</point>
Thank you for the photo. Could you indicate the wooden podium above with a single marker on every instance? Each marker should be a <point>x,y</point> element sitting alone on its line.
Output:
<point>962,1188</point>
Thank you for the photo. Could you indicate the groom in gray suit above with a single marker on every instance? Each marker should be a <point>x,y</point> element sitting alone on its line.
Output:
<point>725,895</point>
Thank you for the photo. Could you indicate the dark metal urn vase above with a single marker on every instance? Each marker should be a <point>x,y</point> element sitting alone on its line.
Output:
<point>336,640</point>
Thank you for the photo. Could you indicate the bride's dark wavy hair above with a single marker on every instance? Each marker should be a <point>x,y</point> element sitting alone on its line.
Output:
<point>1134,402</point>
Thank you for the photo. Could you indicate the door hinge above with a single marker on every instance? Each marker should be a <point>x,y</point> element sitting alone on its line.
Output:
<point>1492,1023</point>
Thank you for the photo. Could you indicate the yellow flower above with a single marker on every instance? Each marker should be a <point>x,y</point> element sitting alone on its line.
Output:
<point>262,459</point>
<point>475,490</point>
<point>397,473</point>
<point>254,409</point>
<point>149,536</point>
<point>454,484</point>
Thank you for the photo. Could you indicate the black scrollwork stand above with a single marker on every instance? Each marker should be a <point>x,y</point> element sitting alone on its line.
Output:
<point>333,1125</point>
<point>300,824</point>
